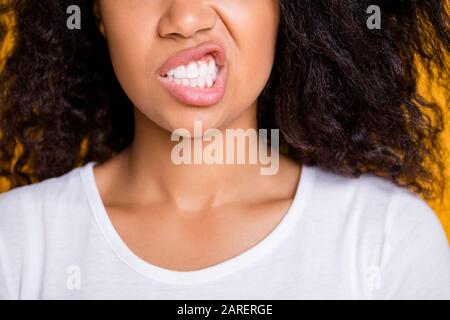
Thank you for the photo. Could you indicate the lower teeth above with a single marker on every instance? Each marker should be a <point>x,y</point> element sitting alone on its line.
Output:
<point>207,82</point>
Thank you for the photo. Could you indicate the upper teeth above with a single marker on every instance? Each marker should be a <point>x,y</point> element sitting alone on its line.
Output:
<point>197,74</point>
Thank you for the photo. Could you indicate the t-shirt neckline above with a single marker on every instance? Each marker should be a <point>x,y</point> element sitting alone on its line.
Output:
<point>207,274</point>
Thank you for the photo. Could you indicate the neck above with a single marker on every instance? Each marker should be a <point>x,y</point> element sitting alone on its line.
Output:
<point>151,172</point>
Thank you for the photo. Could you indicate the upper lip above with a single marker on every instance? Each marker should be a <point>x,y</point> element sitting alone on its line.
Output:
<point>188,55</point>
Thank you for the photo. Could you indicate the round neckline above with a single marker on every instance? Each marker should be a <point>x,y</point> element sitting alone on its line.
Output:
<point>206,274</point>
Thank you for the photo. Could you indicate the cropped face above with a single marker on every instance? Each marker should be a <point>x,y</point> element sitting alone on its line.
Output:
<point>181,61</point>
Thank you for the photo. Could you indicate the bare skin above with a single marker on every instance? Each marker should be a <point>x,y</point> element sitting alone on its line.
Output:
<point>190,217</point>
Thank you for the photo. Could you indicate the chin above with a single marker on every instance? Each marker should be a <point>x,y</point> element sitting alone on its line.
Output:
<point>186,118</point>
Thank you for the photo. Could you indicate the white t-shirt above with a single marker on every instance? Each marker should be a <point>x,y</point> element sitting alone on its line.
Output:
<point>342,238</point>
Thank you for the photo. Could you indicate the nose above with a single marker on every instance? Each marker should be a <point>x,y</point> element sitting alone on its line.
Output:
<point>185,18</point>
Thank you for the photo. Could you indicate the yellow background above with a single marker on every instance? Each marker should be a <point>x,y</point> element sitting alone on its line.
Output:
<point>427,89</point>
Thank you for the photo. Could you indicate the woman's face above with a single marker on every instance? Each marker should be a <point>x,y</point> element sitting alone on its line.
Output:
<point>181,61</point>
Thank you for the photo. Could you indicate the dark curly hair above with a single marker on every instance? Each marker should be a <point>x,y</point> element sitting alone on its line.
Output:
<point>343,96</point>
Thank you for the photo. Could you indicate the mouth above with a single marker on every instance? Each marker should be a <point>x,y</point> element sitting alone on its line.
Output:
<point>196,76</point>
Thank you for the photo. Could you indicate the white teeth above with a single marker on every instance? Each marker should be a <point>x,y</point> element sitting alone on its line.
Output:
<point>203,69</point>
<point>199,74</point>
<point>211,67</point>
<point>209,81</point>
<point>201,82</point>
<point>180,72</point>
<point>192,71</point>
<point>193,83</point>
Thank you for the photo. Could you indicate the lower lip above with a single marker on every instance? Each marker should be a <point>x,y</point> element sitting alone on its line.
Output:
<point>197,96</point>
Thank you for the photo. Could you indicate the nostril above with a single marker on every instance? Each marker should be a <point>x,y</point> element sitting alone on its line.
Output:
<point>175,35</point>
<point>184,19</point>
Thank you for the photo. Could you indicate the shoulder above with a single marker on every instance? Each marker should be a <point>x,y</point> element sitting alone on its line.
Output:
<point>394,230</point>
<point>33,204</point>
<point>31,197</point>
<point>405,210</point>
<point>29,217</point>
<point>415,256</point>
<point>375,207</point>
<point>372,193</point>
